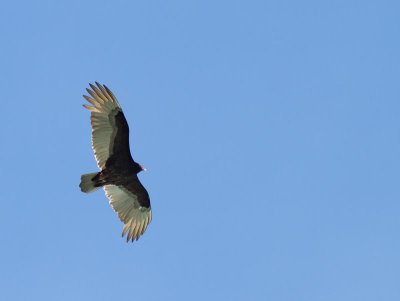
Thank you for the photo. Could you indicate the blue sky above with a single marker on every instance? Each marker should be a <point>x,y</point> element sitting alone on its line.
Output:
<point>270,131</point>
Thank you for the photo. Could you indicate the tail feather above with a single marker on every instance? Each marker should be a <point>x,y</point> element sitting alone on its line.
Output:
<point>87,185</point>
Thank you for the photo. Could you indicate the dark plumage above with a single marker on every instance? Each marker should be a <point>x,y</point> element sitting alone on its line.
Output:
<point>118,175</point>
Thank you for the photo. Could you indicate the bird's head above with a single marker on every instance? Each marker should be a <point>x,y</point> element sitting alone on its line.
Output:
<point>139,167</point>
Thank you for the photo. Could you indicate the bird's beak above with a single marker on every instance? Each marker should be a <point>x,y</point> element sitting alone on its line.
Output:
<point>143,168</point>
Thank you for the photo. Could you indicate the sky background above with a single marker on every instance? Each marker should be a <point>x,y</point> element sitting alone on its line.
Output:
<point>270,131</point>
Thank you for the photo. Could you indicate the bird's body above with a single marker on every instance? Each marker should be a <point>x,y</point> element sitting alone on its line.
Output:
<point>118,175</point>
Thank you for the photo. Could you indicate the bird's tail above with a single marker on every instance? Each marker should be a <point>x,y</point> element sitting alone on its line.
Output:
<point>87,184</point>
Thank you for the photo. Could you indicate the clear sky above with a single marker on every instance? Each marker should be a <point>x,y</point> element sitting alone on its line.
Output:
<point>270,131</point>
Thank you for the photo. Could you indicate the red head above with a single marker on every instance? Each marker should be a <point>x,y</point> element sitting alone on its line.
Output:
<point>138,168</point>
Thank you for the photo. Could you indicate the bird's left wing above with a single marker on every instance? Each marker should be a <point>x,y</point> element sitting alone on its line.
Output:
<point>134,212</point>
<point>110,131</point>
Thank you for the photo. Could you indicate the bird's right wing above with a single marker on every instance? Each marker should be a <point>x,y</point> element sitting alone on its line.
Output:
<point>127,205</point>
<point>109,127</point>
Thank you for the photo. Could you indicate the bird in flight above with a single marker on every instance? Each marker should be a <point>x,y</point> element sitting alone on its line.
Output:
<point>118,171</point>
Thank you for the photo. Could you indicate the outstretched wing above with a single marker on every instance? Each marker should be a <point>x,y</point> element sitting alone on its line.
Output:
<point>133,209</point>
<point>110,131</point>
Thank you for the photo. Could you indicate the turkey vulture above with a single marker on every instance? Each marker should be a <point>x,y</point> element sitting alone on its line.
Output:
<point>118,175</point>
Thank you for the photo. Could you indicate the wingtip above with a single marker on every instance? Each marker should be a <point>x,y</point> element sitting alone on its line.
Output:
<point>108,90</point>
<point>111,95</point>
